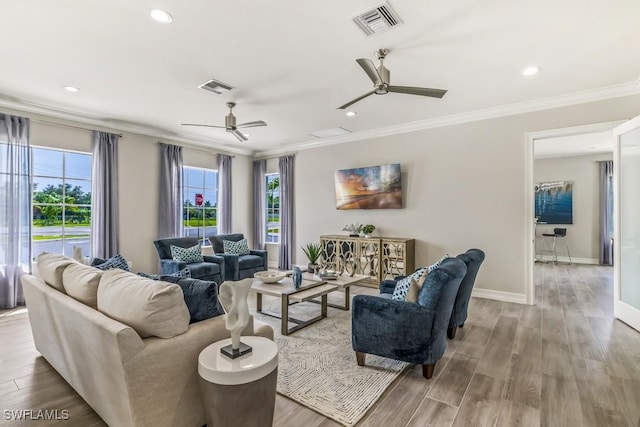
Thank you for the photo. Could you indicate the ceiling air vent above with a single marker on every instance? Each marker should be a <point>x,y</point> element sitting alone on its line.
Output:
<point>377,20</point>
<point>216,86</point>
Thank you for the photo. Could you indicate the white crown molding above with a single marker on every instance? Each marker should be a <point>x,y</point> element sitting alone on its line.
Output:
<point>499,295</point>
<point>75,117</point>
<point>616,91</point>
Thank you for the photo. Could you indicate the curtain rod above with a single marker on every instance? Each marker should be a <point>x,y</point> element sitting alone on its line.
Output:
<point>293,153</point>
<point>46,122</point>
<point>194,148</point>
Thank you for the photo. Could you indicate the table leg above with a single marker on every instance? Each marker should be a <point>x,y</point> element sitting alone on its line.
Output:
<point>323,306</point>
<point>347,298</point>
<point>284,329</point>
<point>259,302</point>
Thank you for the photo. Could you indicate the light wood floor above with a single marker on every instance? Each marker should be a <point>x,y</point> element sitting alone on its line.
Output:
<point>563,362</point>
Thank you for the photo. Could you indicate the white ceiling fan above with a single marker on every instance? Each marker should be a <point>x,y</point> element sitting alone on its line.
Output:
<point>380,78</point>
<point>230,124</point>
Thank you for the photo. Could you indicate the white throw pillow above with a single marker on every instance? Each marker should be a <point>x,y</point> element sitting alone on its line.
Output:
<point>81,283</point>
<point>152,308</point>
<point>50,268</point>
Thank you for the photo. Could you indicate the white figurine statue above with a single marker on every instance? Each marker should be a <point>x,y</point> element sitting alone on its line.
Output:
<point>77,254</point>
<point>233,296</point>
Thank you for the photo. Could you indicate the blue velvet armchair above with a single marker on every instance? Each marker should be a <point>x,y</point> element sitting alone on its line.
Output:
<point>212,268</point>
<point>238,267</point>
<point>408,331</point>
<point>472,259</point>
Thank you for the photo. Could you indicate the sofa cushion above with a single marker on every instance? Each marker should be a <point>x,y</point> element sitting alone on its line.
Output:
<point>81,283</point>
<point>402,287</point>
<point>116,261</point>
<point>250,261</point>
<point>151,308</point>
<point>51,266</point>
<point>188,255</point>
<point>241,247</point>
<point>201,297</point>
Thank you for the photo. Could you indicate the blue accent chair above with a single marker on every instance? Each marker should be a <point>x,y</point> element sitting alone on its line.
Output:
<point>238,267</point>
<point>472,259</point>
<point>211,269</point>
<point>407,331</point>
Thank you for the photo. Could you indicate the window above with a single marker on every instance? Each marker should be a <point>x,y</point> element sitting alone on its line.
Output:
<point>200,190</point>
<point>61,201</point>
<point>273,208</point>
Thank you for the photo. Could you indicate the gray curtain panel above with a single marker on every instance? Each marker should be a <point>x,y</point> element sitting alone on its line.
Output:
<point>224,194</point>
<point>170,209</point>
<point>104,195</point>
<point>606,213</point>
<point>285,164</point>
<point>259,204</point>
<point>15,208</point>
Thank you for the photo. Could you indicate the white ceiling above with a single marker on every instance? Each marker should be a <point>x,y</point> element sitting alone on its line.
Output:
<point>293,62</point>
<point>574,145</point>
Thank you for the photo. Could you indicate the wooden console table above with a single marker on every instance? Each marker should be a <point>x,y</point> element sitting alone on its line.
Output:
<point>378,258</point>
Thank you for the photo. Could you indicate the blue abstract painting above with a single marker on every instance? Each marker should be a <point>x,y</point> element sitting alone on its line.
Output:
<point>554,202</point>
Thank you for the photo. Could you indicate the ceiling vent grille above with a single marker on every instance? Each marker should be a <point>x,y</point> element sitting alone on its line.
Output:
<point>216,86</point>
<point>377,20</point>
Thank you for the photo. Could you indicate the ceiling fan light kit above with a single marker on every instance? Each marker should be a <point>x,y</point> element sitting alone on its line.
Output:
<point>230,124</point>
<point>380,76</point>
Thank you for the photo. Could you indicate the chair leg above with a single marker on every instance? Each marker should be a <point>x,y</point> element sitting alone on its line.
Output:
<point>451,332</point>
<point>427,370</point>
<point>360,356</point>
<point>461,326</point>
<point>567,246</point>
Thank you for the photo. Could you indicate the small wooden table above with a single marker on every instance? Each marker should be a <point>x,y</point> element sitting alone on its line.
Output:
<point>284,289</point>
<point>343,283</point>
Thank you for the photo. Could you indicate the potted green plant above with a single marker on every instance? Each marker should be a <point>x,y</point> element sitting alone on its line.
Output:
<point>312,252</point>
<point>368,229</point>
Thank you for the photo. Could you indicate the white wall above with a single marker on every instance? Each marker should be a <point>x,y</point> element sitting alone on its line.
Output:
<point>583,234</point>
<point>463,187</point>
<point>139,164</point>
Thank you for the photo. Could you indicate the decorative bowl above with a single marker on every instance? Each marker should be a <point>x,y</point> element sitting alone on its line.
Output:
<point>270,276</point>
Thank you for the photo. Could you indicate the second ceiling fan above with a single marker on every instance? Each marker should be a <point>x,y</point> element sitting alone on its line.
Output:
<point>380,78</point>
<point>230,124</point>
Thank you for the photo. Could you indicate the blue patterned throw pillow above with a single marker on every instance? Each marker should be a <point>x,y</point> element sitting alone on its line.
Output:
<point>402,287</point>
<point>437,263</point>
<point>116,261</point>
<point>188,255</point>
<point>241,247</point>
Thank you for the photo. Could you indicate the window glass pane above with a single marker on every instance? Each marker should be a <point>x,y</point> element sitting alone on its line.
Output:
<point>47,190</point>
<point>190,195</point>
<point>47,162</point>
<point>77,165</point>
<point>210,179</point>
<point>76,216</point>
<point>210,197</point>
<point>46,243</point>
<point>78,192</point>
<point>47,216</point>
<point>76,237</point>
<point>195,177</point>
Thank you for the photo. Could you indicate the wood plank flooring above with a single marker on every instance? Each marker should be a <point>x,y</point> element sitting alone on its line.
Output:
<point>562,362</point>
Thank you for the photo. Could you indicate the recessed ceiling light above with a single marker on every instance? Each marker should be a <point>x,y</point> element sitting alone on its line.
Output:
<point>161,16</point>
<point>71,89</point>
<point>531,71</point>
<point>351,113</point>
<point>247,134</point>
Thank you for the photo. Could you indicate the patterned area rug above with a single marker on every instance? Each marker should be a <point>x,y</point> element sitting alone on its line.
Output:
<point>317,366</point>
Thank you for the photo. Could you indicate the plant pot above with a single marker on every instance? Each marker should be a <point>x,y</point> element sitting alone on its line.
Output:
<point>312,268</point>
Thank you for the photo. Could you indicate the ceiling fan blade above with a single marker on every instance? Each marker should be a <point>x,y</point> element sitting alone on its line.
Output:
<point>239,135</point>
<point>206,126</point>
<point>251,124</point>
<point>370,68</point>
<point>353,101</point>
<point>424,91</point>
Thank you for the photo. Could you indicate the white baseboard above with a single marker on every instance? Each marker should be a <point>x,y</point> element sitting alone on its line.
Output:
<point>564,259</point>
<point>499,295</point>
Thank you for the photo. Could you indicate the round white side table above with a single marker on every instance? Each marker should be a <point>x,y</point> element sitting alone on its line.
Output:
<point>241,391</point>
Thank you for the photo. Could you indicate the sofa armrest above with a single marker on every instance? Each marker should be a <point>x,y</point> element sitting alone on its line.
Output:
<point>389,328</point>
<point>261,253</point>
<point>231,266</point>
<point>170,266</point>
<point>387,286</point>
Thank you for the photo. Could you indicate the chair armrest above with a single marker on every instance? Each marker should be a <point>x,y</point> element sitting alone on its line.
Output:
<point>390,328</point>
<point>264,254</point>
<point>217,259</point>
<point>170,266</point>
<point>231,266</point>
<point>387,286</point>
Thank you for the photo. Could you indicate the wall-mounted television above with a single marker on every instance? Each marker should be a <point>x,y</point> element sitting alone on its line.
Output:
<point>372,187</point>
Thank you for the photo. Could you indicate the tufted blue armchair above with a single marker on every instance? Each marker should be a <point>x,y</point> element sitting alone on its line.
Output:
<point>407,331</point>
<point>211,269</point>
<point>472,259</point>
<point>239,267</point>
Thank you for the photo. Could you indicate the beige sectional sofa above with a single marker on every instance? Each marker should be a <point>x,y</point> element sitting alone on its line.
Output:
<point>125,372</point>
